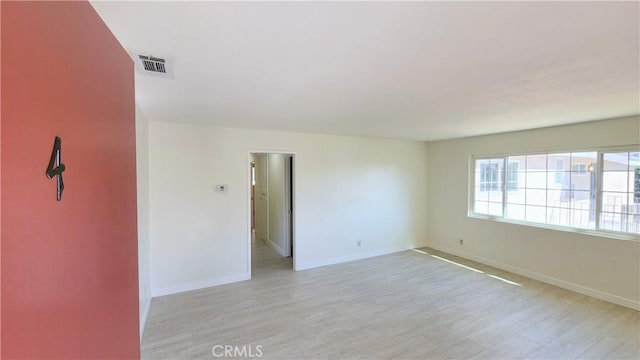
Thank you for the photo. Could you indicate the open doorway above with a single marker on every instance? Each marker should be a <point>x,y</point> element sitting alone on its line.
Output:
<point>271,193</point>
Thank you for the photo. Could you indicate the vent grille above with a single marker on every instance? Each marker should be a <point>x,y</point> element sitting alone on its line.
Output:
<point>153,64</point>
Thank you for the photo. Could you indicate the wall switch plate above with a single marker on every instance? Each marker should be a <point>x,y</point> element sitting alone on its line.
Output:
<point>221,188</point>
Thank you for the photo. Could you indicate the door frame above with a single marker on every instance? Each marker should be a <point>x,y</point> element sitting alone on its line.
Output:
<point>293,201</point>
<point>288,192</point>
<point>288,188</point>
<point>253,196</point>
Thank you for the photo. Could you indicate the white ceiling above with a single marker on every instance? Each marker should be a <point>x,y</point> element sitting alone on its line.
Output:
<point>424,71</point>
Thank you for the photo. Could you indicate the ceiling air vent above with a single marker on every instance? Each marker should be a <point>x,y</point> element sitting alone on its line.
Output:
<point>152,65</point>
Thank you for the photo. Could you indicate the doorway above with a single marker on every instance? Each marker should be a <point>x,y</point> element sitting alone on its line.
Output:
<point>271,212</point>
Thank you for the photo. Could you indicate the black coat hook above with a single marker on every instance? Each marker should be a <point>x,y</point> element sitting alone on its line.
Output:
<point>56,167</point>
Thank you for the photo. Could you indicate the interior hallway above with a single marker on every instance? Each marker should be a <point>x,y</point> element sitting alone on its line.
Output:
<point>265,261</point>
<point>410,305</point>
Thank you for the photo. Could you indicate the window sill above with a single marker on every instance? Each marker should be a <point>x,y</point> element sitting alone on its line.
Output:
<point>600,233</point>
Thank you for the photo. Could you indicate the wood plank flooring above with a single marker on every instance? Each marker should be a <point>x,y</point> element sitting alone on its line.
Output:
<point>408,305</point>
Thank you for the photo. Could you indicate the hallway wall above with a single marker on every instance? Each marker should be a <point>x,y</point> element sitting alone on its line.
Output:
<point>261,196</point>
<point>276,204</point>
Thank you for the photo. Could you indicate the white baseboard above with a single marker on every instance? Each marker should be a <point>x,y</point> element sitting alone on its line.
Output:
<point>168,290</point>
<point>424,244</point>
<point>598,294</point>
<point>351,257</point>
<point>277,248</point>
<point>144,316</point>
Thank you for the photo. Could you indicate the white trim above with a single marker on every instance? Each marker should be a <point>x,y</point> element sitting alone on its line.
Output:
<point>598,294</point>
<point>249,218</point>
<point>168,290</point>
<point>343,259</point>
<point>288,188</point>
<point>419,245</point>
<point>294,208</point>
<point>277,248</point>
<point>599,179</point>
<point>144,316</point>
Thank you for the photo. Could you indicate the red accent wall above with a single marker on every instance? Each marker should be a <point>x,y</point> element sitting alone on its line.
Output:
<point>69,269</point>
<point>0,184</point>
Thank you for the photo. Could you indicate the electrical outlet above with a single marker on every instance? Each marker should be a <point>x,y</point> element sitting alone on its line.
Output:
<point>359,244</point>
<point>461,241</point>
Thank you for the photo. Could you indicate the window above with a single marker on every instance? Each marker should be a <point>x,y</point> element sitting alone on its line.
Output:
<point>579,168</point>
<point>512,176</point>
<point>488,177</point>
<point>621,192</point>
<point>586,190</point>
<point>559,165</point>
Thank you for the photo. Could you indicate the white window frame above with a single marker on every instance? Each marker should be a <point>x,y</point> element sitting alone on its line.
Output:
<point>599,177</point>
<point>473,186</point>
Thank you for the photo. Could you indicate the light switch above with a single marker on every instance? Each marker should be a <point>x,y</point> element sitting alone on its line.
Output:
<point>221,188</point>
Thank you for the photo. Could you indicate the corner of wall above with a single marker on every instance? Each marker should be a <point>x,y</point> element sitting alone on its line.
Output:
<point>347,258</point>
<point>144,242</point>
<point>275,247</point>
<point>546,255</point>
<point>169,290</point>
<point>598,294</point>
<point>144,315</point>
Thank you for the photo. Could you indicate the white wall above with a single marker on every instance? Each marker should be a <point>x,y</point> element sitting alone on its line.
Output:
<point>348,189</point>
<point>261,196</point>
<point>142,169</point>
<point>603,267</point>
<point>277,209</point>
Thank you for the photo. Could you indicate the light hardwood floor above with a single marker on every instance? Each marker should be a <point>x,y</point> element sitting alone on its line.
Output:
<point>408,305</point>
